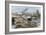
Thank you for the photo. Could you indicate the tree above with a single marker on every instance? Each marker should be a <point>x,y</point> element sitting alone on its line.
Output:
<point>23,12</point>
<point>38,14</point>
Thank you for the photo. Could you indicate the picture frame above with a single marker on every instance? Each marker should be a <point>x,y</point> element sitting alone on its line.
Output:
<point>12,6</point>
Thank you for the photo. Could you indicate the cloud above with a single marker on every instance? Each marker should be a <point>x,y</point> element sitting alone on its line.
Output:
<point>20,9</point>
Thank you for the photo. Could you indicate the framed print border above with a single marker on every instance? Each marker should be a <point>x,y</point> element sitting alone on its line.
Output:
<point>7,16</point>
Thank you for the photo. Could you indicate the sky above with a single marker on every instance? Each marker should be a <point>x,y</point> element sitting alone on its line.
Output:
<point>20,9</point>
